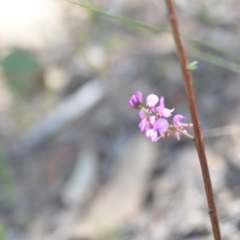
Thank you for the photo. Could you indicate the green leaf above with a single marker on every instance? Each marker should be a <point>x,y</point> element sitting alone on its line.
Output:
<point>21,70</point>
<point>192,65</point>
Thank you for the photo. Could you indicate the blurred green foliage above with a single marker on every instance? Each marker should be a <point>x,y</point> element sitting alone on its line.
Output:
<point>21,70</point>
<point>116,234</point>
<point>196,53</point>
<point>2,232</point>
<point>7,181</point>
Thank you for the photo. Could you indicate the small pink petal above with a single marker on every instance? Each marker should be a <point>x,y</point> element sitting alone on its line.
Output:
<point>162,125</point>
<point>133,101</point>
<point>162,101</point>
<point>167,112</point>
<point>139,96</point>
<point>144,125</point>
<point>142,114</point>
<point>152,134</point>
<point>177,120</point>
<point>152,120</point>
<point>152,100</point>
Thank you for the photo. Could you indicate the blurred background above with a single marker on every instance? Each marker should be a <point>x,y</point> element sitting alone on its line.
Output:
<point>73,163</point>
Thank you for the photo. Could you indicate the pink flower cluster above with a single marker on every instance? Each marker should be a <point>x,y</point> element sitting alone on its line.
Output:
<point>154,119</point>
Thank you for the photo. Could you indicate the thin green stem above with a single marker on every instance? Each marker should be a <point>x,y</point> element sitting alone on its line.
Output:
<point>195,53</point>
<point>120,18</point>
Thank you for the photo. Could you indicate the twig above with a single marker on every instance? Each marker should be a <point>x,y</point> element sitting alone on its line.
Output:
<point>195,119</point>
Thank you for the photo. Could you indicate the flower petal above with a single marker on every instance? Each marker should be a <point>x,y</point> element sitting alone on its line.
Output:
<point>167,112</point>
<point>177,120</point>
<point>144,125</point>
<point>162,125</point>
<point>142,114</point>
<point>133,101</point>
<point>139,97</point>
<point>161,105</point>
<point>152,134</point>
<point>152,119</point>
<point>152,100</point>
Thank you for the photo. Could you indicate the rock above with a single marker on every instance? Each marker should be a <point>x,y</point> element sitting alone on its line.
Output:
<point>121,199</point>
<point>79,188</point>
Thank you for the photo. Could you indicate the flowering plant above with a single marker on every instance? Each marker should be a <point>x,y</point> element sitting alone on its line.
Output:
<point>154,119</point>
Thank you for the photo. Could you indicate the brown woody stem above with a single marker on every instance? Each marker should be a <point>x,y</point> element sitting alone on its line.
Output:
<point>198,139</point>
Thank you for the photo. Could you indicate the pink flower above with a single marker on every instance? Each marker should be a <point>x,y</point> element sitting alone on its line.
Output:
<point>162,125</point>
<point>136,100</point>
<point>151,124</point>
<point>152,134</point>
<point>154,121</point>
<point>144,124</point>
<point>152,100</point>
<point>164,112</point>
<point>177,121</point>
<point>159,127</point>
<point>177,124</point>
<point>139,97</point>
<point>133,101</point>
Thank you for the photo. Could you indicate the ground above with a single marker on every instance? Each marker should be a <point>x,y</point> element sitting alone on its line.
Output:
<point>74,165</point>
